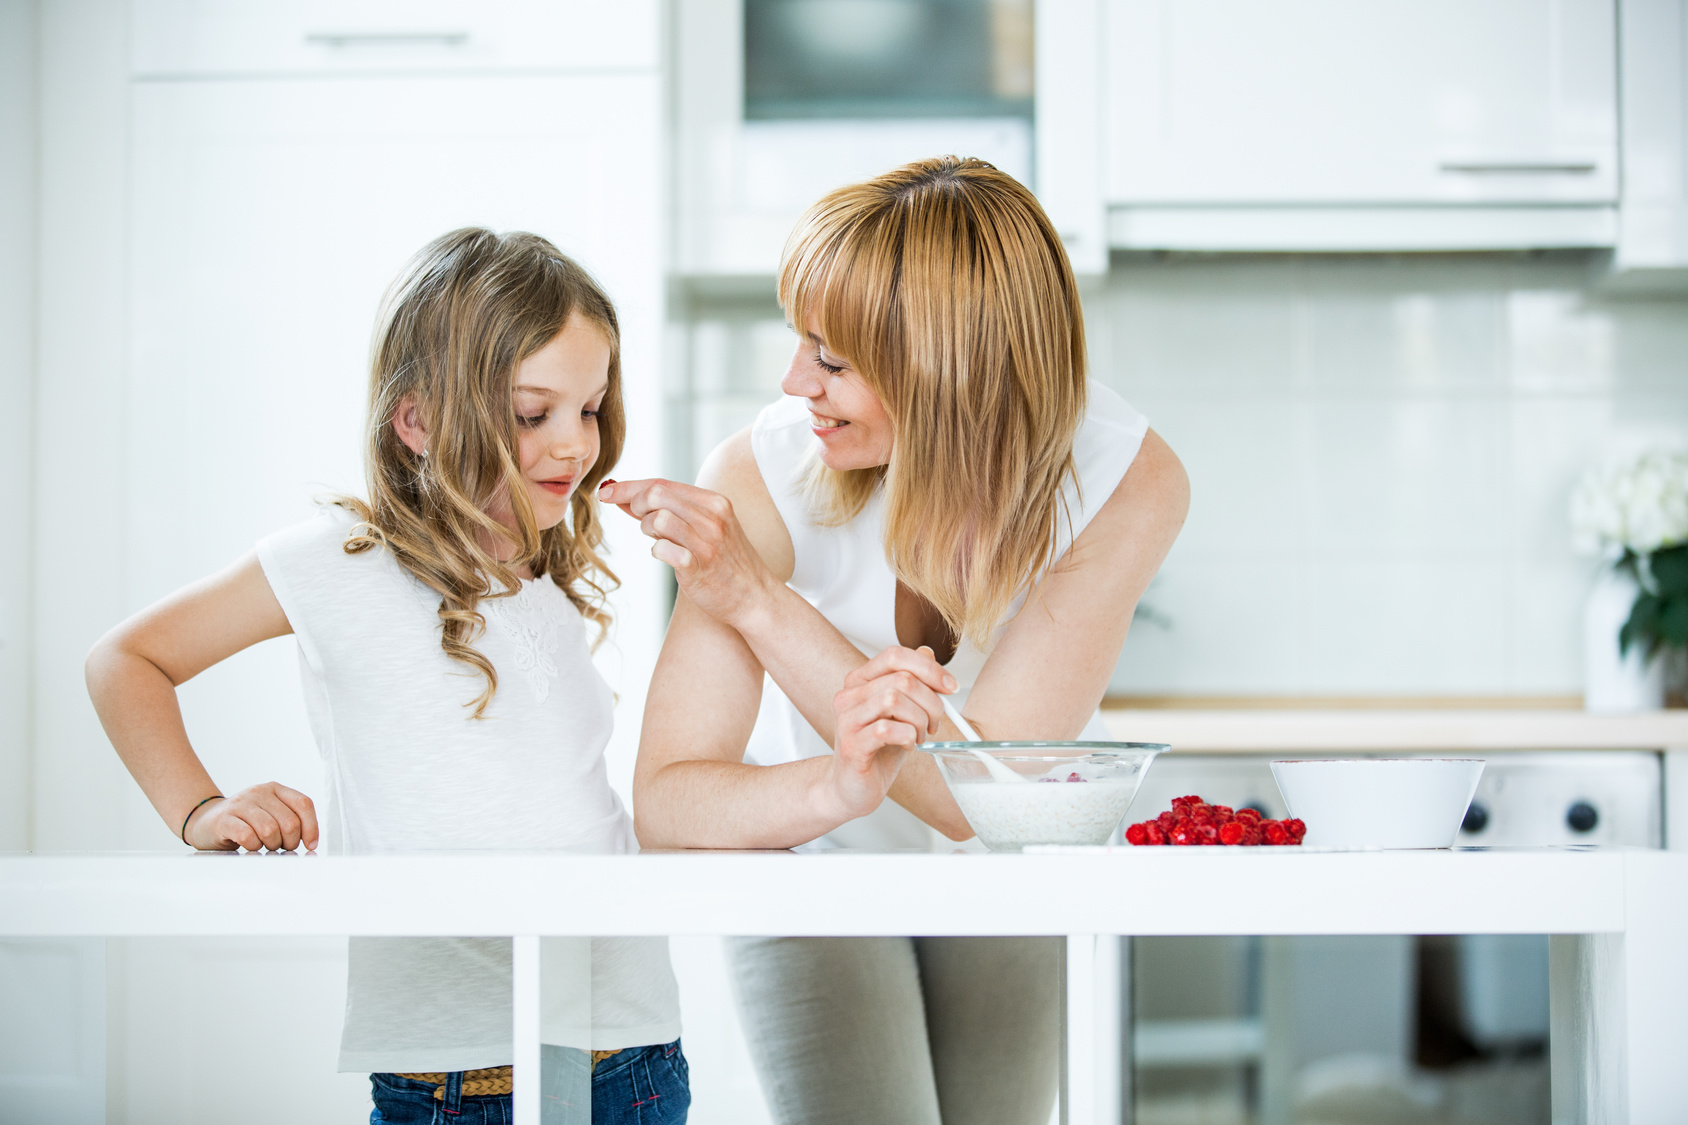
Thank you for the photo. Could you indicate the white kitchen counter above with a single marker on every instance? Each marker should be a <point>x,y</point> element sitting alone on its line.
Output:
<point>1620,959</point>
<point>1363,729</point>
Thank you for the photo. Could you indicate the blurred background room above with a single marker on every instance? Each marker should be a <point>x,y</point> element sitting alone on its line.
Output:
<point>1390,277</point>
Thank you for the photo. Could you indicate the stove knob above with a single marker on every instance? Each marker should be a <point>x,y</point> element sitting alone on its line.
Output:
<point>1582,817</point>
<point>1476,818</point>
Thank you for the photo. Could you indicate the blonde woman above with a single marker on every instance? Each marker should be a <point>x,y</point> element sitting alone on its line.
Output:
<point>445,650</point>
<point>942,504</point>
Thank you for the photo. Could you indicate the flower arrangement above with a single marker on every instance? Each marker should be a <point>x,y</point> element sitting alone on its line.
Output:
<point>1637,511</point>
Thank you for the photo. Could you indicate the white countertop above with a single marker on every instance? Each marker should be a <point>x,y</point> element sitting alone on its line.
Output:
<point>1128,891</point>
<point>1274,731</point>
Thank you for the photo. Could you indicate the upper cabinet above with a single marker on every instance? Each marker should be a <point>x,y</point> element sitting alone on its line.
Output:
<point>1237,124</point>
<point>184,38</point>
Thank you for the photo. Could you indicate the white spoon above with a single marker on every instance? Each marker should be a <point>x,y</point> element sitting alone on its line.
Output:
<point>995,768</point>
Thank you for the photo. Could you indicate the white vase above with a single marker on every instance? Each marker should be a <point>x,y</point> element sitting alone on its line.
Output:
<point>1614,682</point>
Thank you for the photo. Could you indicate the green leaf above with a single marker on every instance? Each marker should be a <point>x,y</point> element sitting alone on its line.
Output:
<point>1670,571</point>
<point>1642,626</point>
<point>1673,622</point>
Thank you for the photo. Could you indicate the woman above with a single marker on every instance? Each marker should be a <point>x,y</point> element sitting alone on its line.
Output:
<point>944,488</point>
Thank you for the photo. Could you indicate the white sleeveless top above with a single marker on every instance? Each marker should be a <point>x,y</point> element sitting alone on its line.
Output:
<point>843,572</point>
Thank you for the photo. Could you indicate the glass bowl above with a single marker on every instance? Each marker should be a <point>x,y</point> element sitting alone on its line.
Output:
<point>1072,792</point>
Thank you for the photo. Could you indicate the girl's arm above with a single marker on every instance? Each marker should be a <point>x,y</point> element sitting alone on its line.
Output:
<point>691,786</point>
<point>1043,680</point>
<point>133,672</point>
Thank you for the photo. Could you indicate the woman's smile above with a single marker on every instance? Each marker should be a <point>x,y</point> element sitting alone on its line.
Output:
<point>825,427</point>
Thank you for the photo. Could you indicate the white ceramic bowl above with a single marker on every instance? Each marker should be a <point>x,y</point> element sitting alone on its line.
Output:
<point>1379,802</point>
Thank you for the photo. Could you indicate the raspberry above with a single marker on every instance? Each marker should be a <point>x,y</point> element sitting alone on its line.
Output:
<point>1252,816</point>
<point>1297,829</point>
<point>1232,833</point>
<point>1223,813</point>
<point>1074,777</point>
<point>1274,831</point>
<point>1152,834</point>
<point>1183,835</point>
<point>1182,802</point>
<point>1201,814</point>
<point>1136,835</point>
<point>1165,821</point>
<point>1251,836</point>
<point>1207,833</point>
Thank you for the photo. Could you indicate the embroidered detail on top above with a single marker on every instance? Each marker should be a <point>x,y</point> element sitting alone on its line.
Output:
<point>533,638</point>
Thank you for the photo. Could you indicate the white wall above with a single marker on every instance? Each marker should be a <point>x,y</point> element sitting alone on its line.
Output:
<point>80,787</point>
<point>1381,452</point>
<point>17,406</point>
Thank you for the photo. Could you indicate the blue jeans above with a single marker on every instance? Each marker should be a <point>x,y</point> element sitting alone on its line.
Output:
<point>638,1086</point>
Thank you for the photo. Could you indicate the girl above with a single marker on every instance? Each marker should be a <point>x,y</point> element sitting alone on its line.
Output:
<point>442,630</point>
<point>943,487</point>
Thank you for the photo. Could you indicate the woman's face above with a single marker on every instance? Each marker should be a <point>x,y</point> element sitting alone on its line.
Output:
<point>854,430</point>
<point>557,392</point>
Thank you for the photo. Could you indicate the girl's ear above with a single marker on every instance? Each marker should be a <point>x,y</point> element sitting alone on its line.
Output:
<point>407,423</point>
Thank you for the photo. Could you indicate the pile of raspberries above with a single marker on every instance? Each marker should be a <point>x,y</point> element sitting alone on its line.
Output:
<point>1193,821</point>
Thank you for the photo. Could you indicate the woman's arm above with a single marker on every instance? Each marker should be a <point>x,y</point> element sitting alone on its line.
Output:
<point>133,672</point>
<point>1043,680</point>
<point>1049,671</point>
<point>734,619</point>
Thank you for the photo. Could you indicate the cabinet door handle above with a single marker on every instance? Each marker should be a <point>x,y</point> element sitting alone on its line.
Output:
<point>388,38</point>
<point>1521,167</point>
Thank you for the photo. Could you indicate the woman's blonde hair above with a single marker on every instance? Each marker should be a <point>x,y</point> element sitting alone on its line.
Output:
<point>469,308</point>
<point>944,284</point>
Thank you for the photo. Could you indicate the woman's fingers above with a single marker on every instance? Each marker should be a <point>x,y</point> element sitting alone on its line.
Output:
<point>909,686</point>
<point>638,498</point>
<point>920,663</point>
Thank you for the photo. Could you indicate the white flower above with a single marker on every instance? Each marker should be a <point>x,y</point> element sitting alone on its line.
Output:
<point>1640,504</point>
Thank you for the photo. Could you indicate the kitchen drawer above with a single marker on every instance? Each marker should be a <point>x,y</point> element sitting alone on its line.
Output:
<point>207,38</point>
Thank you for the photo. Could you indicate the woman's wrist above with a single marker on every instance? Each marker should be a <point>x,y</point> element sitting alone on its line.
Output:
<point>756,613</point>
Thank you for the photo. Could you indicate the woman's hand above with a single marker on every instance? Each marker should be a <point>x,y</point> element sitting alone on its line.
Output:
<point>887,707</point>
<point>265,816</point>
<point>698,535</point>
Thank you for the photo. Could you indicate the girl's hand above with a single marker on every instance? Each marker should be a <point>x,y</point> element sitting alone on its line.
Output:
<point>698,535</point>
<point>887,707</point>
<point>265,816</point>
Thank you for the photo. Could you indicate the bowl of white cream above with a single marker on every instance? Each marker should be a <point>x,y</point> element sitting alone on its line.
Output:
<point>1015,794</point>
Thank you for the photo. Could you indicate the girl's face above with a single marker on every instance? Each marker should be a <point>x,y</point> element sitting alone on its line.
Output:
<point>557,391</point>
<point>848,418</point>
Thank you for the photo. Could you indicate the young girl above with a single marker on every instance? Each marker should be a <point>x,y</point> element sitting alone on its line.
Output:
<point>444,652</point>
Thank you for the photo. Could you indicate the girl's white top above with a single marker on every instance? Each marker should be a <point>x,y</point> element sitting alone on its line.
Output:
<point>843,572</point>
<point>408,769</point>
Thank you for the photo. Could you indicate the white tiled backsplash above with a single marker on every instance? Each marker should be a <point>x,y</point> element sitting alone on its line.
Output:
<point>1380,451</point>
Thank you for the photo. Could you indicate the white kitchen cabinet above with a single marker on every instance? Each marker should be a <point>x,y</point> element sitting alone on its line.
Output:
<point>180,38</point>
<point>1652,248</point>
<point>741,185</point>
<point>1426,114</point>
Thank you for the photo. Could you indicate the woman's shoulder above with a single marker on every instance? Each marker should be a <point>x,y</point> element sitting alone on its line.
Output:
<point>736,471</point>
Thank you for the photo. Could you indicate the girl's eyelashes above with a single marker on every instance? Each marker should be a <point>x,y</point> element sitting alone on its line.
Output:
<point>827,367</point>
<point>531,420</point>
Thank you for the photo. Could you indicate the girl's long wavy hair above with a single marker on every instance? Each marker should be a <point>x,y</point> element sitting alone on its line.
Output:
<point>945,285</point>
<point>470,307</point>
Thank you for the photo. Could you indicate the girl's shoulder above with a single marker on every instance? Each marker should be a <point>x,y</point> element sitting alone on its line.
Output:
<point>322,587</point>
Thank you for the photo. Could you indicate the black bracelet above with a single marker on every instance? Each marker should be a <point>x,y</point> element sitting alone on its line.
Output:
<point>196,808</point>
